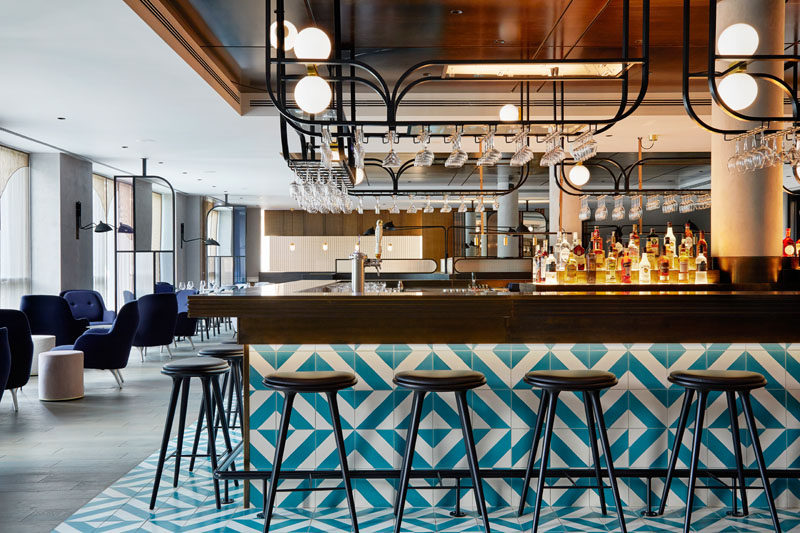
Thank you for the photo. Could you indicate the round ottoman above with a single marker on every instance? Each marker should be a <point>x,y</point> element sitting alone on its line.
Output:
<point>61,375</point>
<point>41,343</point>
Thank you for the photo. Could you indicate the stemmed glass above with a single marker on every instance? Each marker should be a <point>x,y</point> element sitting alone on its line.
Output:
<point>585,212</point>
<point>424,157</point>
<point>457,157</point>
<point>190,285</point>
<point>428,207</point>
<point>181,286</point>
<point>618,213</point>
<point>394,210</point>
<point>635,212</point>
<point>392,160</point>
<point>446,207</point>
<point>490,155</point>
<point>411,208</point>
<point>462,207</point>
<point>601,213</point>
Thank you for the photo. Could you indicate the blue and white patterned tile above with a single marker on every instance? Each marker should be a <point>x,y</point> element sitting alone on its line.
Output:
<point>647,367</point>
<point>533,357</point>
<point>374,366</point>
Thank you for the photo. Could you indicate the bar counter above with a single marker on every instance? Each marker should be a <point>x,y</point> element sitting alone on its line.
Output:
<point>639,336</point>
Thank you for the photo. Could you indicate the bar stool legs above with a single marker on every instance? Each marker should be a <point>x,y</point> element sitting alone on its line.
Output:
<point>676,446</point>
<point>612,478</point>
<point>269,495</point>
<point>173,400</point>
<point>537,432</point>
<point>408,456</point>
<point>762,467</point>
<point>737,451</point>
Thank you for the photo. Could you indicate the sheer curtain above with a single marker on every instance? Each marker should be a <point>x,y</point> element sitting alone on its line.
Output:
<point>103,243</point>
<point>15,238</point>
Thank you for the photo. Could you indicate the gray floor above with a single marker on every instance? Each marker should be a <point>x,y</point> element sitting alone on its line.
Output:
<point>56,456</point>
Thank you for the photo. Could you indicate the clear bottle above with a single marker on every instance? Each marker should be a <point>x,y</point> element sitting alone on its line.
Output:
<point>683,266</point>
<point>701,264</point>
<point>571,270</point>
<point>644,268</point>
<point>551,274</point>
<point>688,237</point>
<point>669,242</point>
<point>611,266</point>
<point>563,252</point>
<point>663,265</point>
<point>591,268</point>
<point>633,250</point>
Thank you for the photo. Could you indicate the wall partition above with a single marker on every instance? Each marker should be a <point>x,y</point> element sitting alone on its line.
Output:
<point>15,227</point>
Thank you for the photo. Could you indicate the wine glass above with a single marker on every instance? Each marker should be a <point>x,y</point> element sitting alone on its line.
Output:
<point>190,285</point>
<point>181,286</point>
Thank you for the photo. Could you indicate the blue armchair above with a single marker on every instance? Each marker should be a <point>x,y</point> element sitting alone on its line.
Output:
<point>51,315</point>
<point>20,345</point>
<point>89,305</point>
<point>185,326</point>
<point>108,349</point>
<point>162,287</point>
<point>5,360</point>
<point>128,296</point>
<point>157,316</point>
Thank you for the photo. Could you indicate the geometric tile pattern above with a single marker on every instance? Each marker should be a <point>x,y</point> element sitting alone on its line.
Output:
<point>641,413</point>
<point>124,506</point>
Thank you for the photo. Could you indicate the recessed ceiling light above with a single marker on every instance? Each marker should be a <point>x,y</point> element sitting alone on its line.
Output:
<point>160,162</point>
<point>62,118</point>
<point>184,172</point>
<point>456,12</point>
<point>199,179</point>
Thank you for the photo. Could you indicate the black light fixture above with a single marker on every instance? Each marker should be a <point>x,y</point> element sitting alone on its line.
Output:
<point>100,227</point>
<point>387,226</point>
<point>207,242</point>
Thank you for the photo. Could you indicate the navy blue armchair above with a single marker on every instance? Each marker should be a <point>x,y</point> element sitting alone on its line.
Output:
<point>51,315</point>
<point>163,286</point>
<point>108,349</point>
<point>89,305</point>
<point>157,316</point>
<point>5,361</point>
<point>185,326</point>
<point>128,296</point>
<point>20,345</point>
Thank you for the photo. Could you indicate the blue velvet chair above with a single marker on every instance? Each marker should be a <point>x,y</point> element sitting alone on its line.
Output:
<point>89,305</point>
<point>162,287</point>
<point>20,345</point>
<point>157,316</point>
<point>108,349</point>
<point>51,315</point>
<point>5,361</point>
<point>185,326</point>
<point>128,296</point>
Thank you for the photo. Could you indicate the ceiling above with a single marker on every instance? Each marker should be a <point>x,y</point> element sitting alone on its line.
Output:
<point>126,94</point>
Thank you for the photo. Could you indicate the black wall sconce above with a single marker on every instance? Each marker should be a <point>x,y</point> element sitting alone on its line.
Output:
<point>100,227</point>
<point>207,242</point>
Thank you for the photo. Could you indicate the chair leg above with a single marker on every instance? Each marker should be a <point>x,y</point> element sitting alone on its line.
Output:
<point>165,440</point>
<point>169,351</point>
<point>191,342</point>
<point>472,456</point>
<point>548,435</point>
<point>14,400</point>
<point>181,429</point>
<point>121,377</point>
<point>276,463</point>
<point>212,448</point>
<point>532,457</point>
<point>141,353</point>
<point>337,433</point>
<point>197,431</point>
<point>114,373</point>
<point>238,384</point>
<point>161,350</point>
<point>737,449</point>
<point>612,478</point>
<point>762,467</point>
<point>595,454</point>
<point>688,395</point>
<point>408,458</point>
<point>698,436</point>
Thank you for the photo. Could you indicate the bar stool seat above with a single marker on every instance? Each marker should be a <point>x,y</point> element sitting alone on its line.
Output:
<point>440,380</point>
<point>571,380</point>
<point>423,382</point>
<point>319,381</point>
<point>292,383</point>
<point>718,380</point>
<point>195,366</point>
<point>224,349</point>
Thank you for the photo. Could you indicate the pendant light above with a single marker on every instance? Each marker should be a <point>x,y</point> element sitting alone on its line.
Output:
<point>738,40</point>
<point>509,113</point>
<point>579,175</point>
<point>312,43</point>
<point>289,35</point>
<point>738,90</point>
<point>312,94</point>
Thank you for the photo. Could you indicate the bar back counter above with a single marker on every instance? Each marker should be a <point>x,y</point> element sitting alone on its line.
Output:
<point>639,336</point>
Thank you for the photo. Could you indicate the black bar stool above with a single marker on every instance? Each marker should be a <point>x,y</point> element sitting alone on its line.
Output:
<point>590,383</point>
<point>208,370</point>
<point>730,382</point>
<point>422,382</point>
<point>290,383</point>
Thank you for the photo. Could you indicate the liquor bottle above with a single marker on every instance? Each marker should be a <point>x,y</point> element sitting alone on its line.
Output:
<point>669,241</point>
<point>580,253</point>
<point>551,276</point>
<point>563,252</point>
<point>633,250</point>
<point>683,267</point>
<point>688,236</point>
<point>797,247</point>
<point>597,247</point>
<point>626,267</point>
<point>663,266</point>
<point>571,270</point>
<point>591,268</point>
<point>702,245</point>
<point>701,275</point>
<point>636,240</point>
<point>788,244</point>
<point>644,268</point>
<point>652,243</point>
<point>535,265</point>
<point>611,265</point>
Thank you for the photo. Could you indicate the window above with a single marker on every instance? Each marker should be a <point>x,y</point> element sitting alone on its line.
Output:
<point>15,227</point>
<point>103,243</point>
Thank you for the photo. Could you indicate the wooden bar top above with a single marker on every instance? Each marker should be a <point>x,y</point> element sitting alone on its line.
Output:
<point>306,312</point>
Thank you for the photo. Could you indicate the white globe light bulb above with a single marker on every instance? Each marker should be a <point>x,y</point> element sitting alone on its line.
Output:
<point>579,175</point>
<point>289,35</point>
<point>738,40</point>
<point>312,94</point>
<point>509,113</point>
<point>312,43</point>
<point>738,90</point>
<point>359,175</point>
